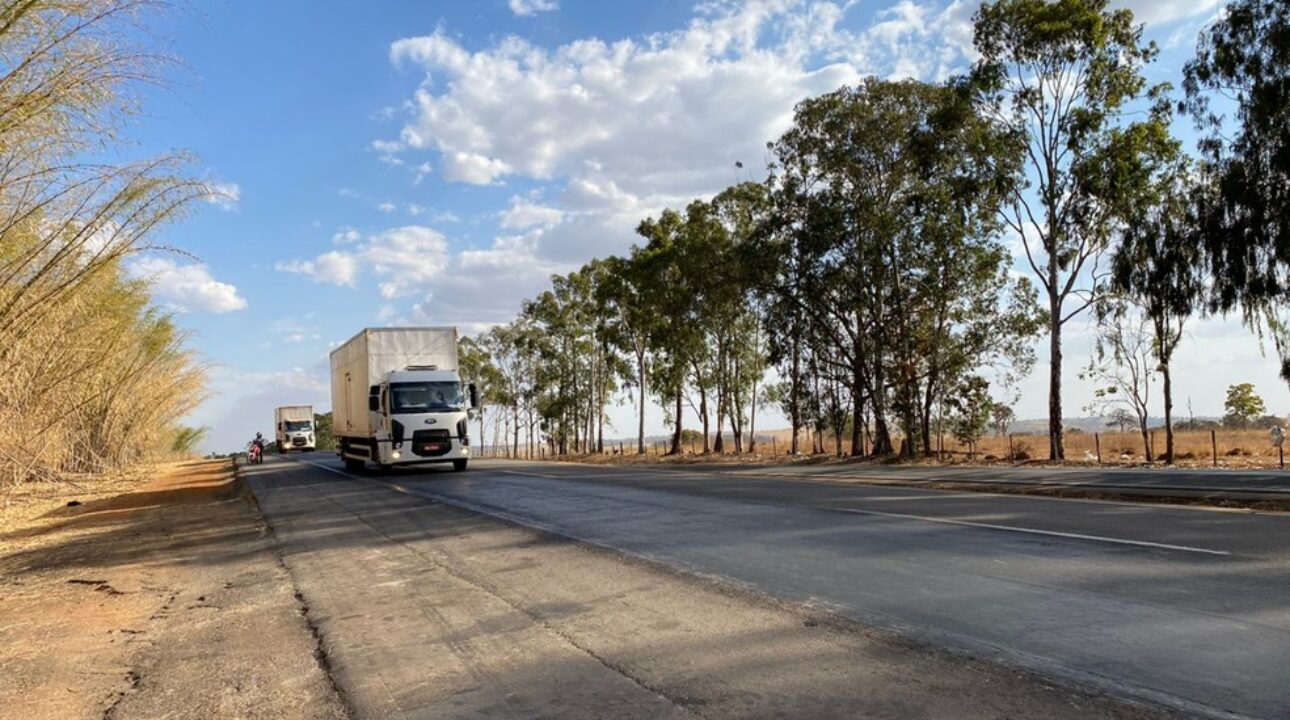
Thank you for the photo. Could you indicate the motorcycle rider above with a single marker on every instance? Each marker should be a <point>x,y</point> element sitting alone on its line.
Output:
<point>258,446</point>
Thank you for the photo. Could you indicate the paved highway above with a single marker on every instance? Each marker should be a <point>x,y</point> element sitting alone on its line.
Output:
<point>1218,483</point>
<point>1186,607</point>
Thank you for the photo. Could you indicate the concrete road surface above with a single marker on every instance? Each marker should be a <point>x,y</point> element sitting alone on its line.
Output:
<point>1188,608</point>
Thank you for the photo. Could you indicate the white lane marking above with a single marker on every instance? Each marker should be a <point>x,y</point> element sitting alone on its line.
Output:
<point>531,474</point>
<point>395,486</point>
<point>1034,531</point>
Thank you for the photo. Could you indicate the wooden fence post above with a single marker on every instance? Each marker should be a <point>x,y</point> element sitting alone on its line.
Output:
<point>1213,443</point>
<point>1097,443</point>
<point>1012,454</point>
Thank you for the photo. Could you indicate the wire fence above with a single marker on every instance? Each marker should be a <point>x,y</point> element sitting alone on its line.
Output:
<point>1214,447</point>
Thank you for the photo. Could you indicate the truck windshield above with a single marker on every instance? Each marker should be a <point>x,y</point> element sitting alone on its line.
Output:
<point>425,397</point>
<point>298,425</point>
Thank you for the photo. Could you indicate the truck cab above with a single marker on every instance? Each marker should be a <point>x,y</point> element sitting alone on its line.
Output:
<point>293,428</point>
<point>420,415</point>
<point>296,435</point>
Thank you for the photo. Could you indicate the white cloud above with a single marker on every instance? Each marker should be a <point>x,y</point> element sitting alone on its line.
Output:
<point>637,124</point>
<point>335,267</point>
<point>224,195</point>
<point>467,294</point>
<point>473,168</point>
<point>1162,12</point>
<point>524,8</point>
<point>387,207</point>
<point>522,215</point>
<point>423,171</point>
<point>405,257</point>
<point>186,288</point>
<point>414,209</point>
<point>346,236</point>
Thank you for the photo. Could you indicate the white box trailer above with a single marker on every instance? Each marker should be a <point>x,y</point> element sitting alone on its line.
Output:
<point>293,427</point>
<point>397,398</point>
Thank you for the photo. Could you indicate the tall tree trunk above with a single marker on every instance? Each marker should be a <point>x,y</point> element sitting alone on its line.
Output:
<point>1056,448</point>
<point>640,380</point>
<point>795,404</point>
<point>676,436</point>
<point>752,419</point>
<point>1169,412</point>
<point>857,414</point>
<point>703,410</point>
<point>1146,439</point>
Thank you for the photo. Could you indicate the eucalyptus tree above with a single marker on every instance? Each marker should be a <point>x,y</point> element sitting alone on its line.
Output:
<point>1062,76</point>
<point>1244,58</point>
<point>476,362</point>
<point>886,242</point>
<point>1158,267</point>
<point>623,296</point>
<point>666,264</point>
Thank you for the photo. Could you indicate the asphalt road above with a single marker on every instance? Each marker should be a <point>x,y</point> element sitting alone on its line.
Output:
<point>1272,484</point>
<point>1186,607</point>
<point>426,610</point>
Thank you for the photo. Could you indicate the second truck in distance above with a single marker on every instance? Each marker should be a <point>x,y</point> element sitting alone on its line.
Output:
<point>397,399</point>
<point>293,426</point>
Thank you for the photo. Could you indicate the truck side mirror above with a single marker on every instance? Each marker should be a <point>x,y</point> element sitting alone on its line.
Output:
<point>474,396</point>
<point>374,403</point>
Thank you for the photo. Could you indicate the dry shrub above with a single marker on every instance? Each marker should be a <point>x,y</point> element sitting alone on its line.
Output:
<point>91,378</point>
<point>97,385</point>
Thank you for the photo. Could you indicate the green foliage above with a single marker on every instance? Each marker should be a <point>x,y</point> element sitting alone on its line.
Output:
<point>324,439</point>
<point>1060,76</point>
<point>187,439</point>
<point>1242,406</point>
<point>1244,212</point>
<point>883,268</point>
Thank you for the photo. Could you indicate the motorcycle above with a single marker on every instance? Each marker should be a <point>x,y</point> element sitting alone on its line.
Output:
<point>255,453</point>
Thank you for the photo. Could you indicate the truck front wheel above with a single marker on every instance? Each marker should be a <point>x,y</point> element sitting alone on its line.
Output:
<point>458,465</point>
<point>353,465</point>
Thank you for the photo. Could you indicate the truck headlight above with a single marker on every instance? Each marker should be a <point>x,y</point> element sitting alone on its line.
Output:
<point>396,455</point>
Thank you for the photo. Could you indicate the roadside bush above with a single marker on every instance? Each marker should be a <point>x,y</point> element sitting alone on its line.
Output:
<point>92,378</point>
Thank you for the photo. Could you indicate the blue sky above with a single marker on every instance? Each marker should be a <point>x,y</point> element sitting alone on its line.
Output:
<point>435,162</point>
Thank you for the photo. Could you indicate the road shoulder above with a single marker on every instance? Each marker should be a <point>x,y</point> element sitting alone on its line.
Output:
<point>166,600</point>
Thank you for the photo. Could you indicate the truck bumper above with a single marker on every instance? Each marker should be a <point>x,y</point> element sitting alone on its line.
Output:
<point>387,454</point>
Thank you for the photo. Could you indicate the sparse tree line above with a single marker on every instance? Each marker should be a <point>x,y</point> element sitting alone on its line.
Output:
<point>92,377</point>
<point>871,269</point>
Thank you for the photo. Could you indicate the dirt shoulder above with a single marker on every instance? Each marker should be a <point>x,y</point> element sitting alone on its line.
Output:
<point>164,599</point>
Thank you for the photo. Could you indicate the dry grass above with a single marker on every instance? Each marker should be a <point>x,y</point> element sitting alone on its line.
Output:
<point>1236,449</point>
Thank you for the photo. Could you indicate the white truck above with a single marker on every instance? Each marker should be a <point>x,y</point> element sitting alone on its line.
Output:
<point>397,399</point>
<point>293,426</point>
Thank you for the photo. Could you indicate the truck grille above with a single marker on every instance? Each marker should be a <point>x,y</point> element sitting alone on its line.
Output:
<point>431,443</point>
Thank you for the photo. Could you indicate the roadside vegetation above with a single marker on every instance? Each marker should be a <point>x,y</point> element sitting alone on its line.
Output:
<point>866,286</point>
<point>93,377</point>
